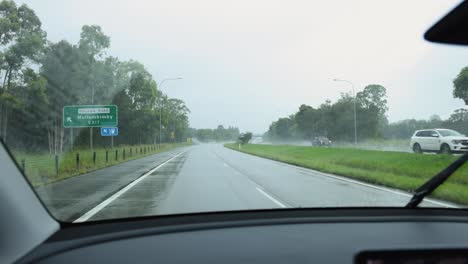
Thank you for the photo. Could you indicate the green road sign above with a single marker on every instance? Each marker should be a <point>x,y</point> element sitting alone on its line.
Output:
<point>90,116</point>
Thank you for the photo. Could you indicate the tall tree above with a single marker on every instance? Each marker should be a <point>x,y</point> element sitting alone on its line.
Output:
<point>374,96</point>
<point>335,120</point>
<point>178,121</point>
<point>23,41</point>
<point>72,74</point>
<point>64,67</point>
<point>9,21</point>
<point>374,99</point>
<point>31,114</point>
<point>460,84</point>
<point>458,120</point>
<point>93,43</point>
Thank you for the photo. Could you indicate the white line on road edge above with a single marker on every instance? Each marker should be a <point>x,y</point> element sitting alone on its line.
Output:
<point>271,198</point>
<point>257,186</point>
<point>365,184</point>
<point>116,195</point>
<point>311,171</point>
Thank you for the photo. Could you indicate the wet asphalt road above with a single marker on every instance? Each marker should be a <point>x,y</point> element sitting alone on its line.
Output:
<point>69,199</point>
<point>209,177</point>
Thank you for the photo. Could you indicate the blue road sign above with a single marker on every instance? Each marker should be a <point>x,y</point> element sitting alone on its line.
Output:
<point>109,131</point>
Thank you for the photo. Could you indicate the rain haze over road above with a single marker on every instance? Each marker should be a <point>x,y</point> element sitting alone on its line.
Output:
<point>209,177</point>
<point>127,108</point>
<point>268,57</point>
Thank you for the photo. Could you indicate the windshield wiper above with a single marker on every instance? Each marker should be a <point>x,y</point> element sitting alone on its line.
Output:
<point>429,186</point>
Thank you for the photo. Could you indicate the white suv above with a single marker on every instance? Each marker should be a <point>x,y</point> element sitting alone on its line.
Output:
<point>439,140</point>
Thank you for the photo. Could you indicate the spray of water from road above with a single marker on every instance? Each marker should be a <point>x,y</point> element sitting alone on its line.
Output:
<point>397,145</point>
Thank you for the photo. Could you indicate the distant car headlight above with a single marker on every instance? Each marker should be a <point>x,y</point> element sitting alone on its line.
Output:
<point>456,141</point>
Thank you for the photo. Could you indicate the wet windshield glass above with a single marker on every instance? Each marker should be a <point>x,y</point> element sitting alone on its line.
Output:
<point>115,109</point>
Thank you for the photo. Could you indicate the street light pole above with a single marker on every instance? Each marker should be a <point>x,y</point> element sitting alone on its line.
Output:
<point>354,106</point>
<point>159,86</point>
<point>91,128</point>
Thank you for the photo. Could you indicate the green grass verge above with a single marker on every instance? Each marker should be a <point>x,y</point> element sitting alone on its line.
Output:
<point>401,145</point>
<point>405,171</point>
<point>40,169</point>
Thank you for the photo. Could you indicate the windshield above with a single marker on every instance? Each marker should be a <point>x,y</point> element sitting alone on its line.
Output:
<point>115,109</point>
<point>449,133</point>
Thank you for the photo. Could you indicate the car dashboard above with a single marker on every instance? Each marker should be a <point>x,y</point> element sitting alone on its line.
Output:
<point>360,235</point>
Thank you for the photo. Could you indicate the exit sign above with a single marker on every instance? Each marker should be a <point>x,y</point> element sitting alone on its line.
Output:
<point>90,116</point>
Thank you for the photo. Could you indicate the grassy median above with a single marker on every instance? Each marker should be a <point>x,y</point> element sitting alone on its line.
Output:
<point>405,171</point>
<point>43,169</point>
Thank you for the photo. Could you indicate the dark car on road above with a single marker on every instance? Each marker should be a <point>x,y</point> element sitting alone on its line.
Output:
<point>321,142</point>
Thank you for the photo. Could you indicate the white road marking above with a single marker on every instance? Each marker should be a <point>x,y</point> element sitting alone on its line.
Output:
<point>116,195</point>
<point>271,198</point>
<point>311,171</point>
<point>257,186</point>
<point>366,184</point>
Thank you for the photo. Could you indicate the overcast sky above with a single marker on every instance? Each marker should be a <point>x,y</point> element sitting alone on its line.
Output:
<point>248,62</point>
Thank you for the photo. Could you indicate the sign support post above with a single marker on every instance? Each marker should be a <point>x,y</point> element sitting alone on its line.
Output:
<point>71,138</point>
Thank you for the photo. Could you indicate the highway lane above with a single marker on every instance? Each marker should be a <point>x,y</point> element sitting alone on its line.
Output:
<point>70,198</point>
<point>209,177</point>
